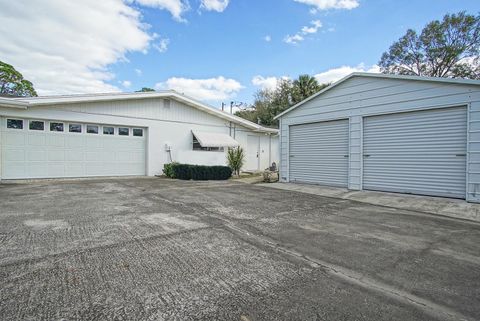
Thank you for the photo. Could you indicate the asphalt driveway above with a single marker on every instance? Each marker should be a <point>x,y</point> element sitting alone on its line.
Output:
<point>156,249</point>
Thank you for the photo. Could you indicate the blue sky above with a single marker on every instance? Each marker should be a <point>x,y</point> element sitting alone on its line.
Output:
<point>214,50</point>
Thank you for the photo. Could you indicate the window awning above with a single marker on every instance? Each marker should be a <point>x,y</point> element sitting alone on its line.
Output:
<point>214,139</point>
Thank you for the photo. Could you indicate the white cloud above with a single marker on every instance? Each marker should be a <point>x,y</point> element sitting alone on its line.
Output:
<point>267,38</point>
<point>293,39</point>
<point>138,72</point>
<point>315,25</point>
<point>214,5</point>
<point>306,30</point>
<point>335,74</point>
<point>331,4</point>
<point>65,46</point>
<point>269,83</point>
<point>126,83</point>
<point>162,45</point>
<point>211,89</point>
<point>175,7</point>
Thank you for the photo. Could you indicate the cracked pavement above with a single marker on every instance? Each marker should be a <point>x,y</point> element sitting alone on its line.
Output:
<point>158,249</point>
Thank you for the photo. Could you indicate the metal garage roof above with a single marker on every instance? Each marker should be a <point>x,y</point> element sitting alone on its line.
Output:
<point>377,75</point>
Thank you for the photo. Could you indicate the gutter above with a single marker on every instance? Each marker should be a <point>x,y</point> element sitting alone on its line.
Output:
<point>7,102</point>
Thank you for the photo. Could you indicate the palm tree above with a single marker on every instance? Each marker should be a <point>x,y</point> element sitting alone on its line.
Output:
<point>304,87</point>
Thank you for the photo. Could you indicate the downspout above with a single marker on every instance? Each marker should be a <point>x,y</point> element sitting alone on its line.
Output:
<point>269,150</point>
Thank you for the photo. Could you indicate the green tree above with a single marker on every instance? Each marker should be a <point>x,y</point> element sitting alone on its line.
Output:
<point>303,87</point>
<point>12,82</point>
<point>447,48</point>
<point>269,103</point>
<point>145,89</point>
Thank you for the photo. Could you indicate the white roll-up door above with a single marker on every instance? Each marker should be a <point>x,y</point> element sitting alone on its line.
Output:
<point>319,153</point>
<point>33,148</point>
<point>421,152</point>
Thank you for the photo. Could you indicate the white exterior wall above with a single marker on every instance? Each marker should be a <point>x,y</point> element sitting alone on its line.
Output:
<point>165,125</point>
<point>359,97</point>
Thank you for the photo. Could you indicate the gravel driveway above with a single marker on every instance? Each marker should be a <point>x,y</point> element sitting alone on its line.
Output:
<point>157,249</point>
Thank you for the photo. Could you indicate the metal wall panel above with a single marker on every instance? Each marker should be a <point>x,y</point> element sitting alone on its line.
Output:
<point>421,152</point>
<point>319,153</point>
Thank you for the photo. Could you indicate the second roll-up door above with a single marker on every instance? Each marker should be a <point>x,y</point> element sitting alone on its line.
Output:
<point>422,152</point>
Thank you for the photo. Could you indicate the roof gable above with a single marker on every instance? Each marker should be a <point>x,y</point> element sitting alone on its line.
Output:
<point>379,76</point>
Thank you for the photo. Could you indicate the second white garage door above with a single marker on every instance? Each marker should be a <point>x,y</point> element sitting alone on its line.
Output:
<point>33,148</point>
<point>319,153</point>
<point>420,152</point>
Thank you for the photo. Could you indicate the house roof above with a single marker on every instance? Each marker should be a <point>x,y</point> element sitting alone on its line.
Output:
<point>29,102</point>
<point>376,75</point>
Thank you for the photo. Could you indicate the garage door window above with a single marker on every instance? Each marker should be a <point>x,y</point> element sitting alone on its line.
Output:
<point>123,131</point>
<point>92,129</point>
<point>56,127</point>
<point>75,128</point>
<point>138,132</point>
<point>15,123</point>
<point>36,125</point>
<point>108,130</point>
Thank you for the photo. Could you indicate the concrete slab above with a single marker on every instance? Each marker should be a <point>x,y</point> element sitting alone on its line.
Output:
<point>434,205</point>
<point>159,249</point>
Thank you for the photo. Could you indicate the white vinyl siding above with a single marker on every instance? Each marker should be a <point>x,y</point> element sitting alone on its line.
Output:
<point>319,153</point>
<point>420,152</point>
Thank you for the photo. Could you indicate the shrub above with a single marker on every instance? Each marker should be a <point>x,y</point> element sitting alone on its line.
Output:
<point>236,159</point>
<point>197,172</point>
<point>168,169</point>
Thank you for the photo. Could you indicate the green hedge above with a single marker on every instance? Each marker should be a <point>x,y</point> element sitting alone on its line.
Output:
<point>197,172</point>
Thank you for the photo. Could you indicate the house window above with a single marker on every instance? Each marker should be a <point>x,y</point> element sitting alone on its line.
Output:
<point>56,127</point>
<point>197,146</point>
<point>15,123</point>
<point>74,128</point>
<point>123,131</point>
<point>137,132</point>
<point>92,129</point>
<point>108,130</point>
<point>36,125</point>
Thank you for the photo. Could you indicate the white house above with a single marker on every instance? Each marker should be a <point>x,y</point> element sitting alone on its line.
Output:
<point>122,134</point>
<point>392,133</point>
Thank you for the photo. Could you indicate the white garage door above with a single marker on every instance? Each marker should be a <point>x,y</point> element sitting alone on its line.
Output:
<point>319,153</point>
<point>420,152</point>
<point>51,149</point>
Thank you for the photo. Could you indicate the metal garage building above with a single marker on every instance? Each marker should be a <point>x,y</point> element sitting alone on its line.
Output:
<point>404,134</point>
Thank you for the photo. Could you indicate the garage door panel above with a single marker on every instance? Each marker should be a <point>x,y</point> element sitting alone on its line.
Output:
<point>94,142</point>
<point>56,169</point>
<point>36,169</point>
<point>317,153</point>
<point>420,152</point>
<point>55,140</point>
<point>36,155</point>
<point>14,139</point>
<point>36,140</point>
<point>74,169</point>
<point>14,155</point>
<point>74,141</point>
<point>56,155</point>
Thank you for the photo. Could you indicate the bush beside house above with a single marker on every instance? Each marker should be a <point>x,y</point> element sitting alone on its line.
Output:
<point>197,172</point>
